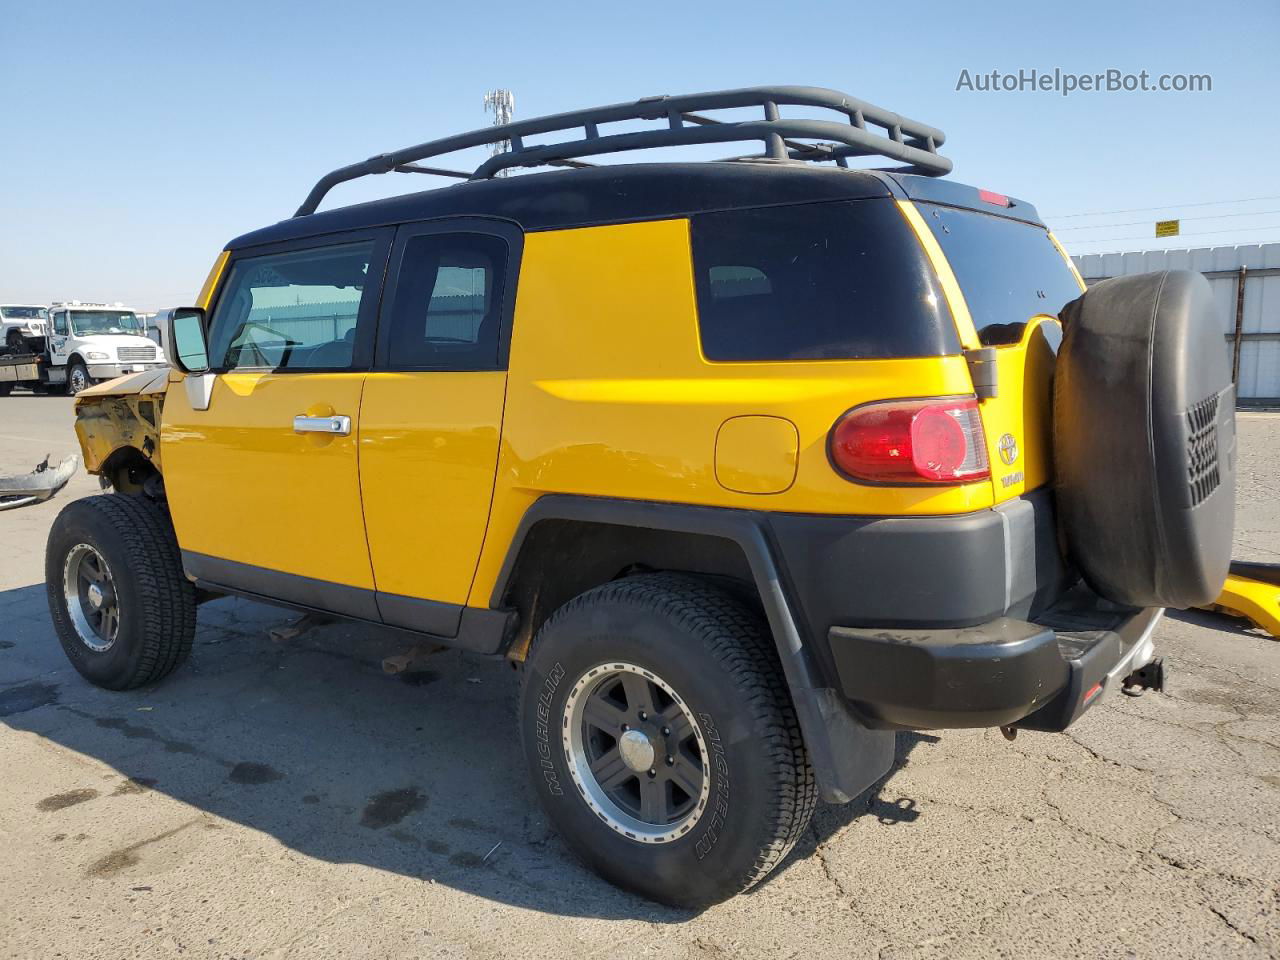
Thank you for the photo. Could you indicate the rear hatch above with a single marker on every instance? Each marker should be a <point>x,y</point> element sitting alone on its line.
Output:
<point>1014,279</point>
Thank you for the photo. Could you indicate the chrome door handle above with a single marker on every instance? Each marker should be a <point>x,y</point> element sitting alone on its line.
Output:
<point>336,426</point>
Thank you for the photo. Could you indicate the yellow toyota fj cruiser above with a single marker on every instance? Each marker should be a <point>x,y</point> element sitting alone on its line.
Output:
<point>749,463</point>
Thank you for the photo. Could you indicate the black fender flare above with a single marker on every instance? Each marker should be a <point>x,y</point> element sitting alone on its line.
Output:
<point>847,756</point>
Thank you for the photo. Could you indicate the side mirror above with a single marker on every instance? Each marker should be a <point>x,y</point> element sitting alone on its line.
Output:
<point>188,348</point>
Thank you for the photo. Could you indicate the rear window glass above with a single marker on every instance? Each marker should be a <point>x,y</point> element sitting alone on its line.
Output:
<point>448,301</point>
<point>845,280</point>
<point>1009,271</point>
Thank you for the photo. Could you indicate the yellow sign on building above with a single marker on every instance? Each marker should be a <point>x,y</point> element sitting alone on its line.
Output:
<point>1166,228</point>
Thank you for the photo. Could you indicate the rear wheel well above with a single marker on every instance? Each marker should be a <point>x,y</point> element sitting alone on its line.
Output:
<point>559,559</point>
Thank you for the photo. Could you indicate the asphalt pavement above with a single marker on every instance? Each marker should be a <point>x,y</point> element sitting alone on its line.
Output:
<point>290,800</point>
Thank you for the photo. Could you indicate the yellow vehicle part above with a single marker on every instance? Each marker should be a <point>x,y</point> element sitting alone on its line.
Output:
<point>428,448</point>
<point>1018,421</point>
<point>1253,598</point>
<point>244,486</point>
<point>205,297</point>
<point>757,454</point>
<point>118,422</point>
<point>107,425</point>
<point>618,400</point>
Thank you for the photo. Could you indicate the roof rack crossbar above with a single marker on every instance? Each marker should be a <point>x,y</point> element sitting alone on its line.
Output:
<point>912,143</point>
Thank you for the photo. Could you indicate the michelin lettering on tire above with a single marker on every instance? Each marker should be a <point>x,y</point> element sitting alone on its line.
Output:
<point>720,807</point>
<point>543,731</point>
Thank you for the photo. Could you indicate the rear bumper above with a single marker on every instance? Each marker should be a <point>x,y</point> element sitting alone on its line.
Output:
<point>1007,672</point>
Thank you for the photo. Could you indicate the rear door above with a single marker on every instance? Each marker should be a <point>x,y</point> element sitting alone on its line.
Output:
<point>431,419</point>
<point>264,483</point>
<point>1014,279</point>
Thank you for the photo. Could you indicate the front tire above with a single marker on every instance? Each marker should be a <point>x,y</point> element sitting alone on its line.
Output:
<point>77,378</point>
<point>662,740</point>
<point>123,610</point>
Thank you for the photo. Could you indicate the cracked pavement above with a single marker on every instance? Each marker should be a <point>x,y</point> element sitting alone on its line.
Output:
<point>289,800</point>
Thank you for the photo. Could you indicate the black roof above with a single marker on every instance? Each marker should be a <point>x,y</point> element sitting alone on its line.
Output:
<point>623,193</point>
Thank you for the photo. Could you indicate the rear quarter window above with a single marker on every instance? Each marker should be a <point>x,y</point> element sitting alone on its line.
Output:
<point>844,280</point>
<point>1009,271</point>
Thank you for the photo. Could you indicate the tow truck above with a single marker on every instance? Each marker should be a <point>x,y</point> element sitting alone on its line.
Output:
<point>86,343</point>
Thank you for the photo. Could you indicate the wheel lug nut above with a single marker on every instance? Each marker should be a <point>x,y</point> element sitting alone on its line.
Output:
<point>670,761</point>
<point>666,731</point>
<point>653,773</point>
<point>625,728</point>
<point>643,715</point>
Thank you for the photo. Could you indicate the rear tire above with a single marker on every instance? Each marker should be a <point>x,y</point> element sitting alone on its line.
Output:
<point>123,610</point>
<point>740,791</point>
<point>15,342</point>
<point>6,389</point>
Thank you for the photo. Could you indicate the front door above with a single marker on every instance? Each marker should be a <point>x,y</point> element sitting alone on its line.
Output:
<point>60,332</point>
<point>264,483</point>
<point>432,416</point>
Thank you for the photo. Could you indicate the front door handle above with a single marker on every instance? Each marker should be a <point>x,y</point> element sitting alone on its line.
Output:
<point>334,426</point>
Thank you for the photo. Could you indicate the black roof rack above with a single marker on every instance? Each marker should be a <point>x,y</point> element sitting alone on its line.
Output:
<point>914,144</point>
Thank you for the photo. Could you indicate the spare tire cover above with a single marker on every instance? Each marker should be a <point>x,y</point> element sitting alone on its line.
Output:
<point>1144,440</point>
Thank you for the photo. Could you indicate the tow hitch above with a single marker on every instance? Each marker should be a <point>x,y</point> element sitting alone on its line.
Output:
<point>1149,677</point>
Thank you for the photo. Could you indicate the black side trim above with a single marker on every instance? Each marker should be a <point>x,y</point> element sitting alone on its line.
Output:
<point>453,625</point>
<point>288,588</point>
<point>847,756</point>
<point>424,616</point>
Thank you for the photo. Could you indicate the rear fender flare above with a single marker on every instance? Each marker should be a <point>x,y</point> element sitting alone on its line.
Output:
<point>847,756</point>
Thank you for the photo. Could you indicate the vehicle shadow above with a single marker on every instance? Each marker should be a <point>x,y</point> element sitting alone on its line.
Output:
<point>310,742</point>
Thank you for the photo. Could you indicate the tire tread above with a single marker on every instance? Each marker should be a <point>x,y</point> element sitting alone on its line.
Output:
<point>739,639</point>
<point>168,616</point>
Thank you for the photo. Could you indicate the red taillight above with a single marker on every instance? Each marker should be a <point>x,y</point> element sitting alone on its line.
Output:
<point>989,196</point>
<point>910,441</point>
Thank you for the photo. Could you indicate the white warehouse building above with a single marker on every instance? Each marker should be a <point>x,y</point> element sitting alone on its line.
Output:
<point>1246,287</point>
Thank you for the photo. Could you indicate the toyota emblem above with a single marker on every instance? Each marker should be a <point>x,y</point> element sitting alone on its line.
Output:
<point>1008,448</point>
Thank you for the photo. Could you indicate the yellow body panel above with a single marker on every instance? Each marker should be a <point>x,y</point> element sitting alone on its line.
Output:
<point>757,454</point>
<point>243,486</point>
<point>1023,411</point>
<point>609,393</point>
<point>428,450</point>
<point>1019,419</point>
<point>946,276</point>
<point>205,297</point>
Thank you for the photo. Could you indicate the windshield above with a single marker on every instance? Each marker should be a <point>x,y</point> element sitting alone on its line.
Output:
<point>24,313</point>
<point>1009,271</point>
<point>85,322</point>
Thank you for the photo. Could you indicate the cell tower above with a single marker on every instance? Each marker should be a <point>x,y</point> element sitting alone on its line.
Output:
<point>502,104</point>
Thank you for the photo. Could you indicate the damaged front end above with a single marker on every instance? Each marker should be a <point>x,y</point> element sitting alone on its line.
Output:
<point>118,424</point>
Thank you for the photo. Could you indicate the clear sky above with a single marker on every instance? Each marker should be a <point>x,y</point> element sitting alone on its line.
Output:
<point>140,136</point>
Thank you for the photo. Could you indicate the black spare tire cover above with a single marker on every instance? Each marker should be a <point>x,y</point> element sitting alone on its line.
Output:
<point>1144,440</point>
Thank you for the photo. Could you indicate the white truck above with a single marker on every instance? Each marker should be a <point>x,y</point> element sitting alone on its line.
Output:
<point>22,325</point>
<point>86,343</point>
